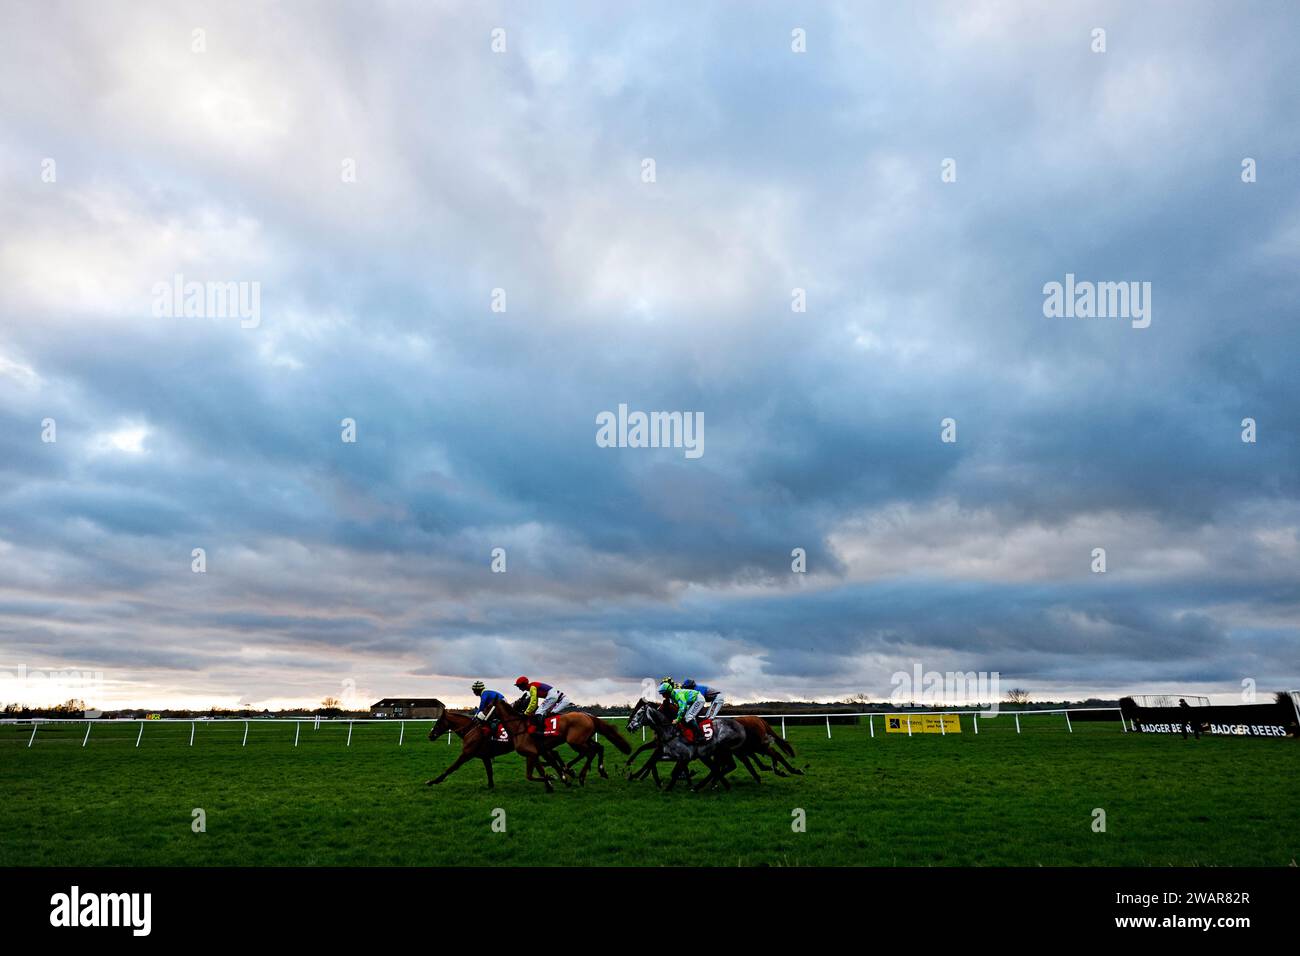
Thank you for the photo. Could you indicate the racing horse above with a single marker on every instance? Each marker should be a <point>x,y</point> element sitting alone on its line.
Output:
<point>477,742</point>
<point>594,751</point>
<point>760,740</point>
<point>572,727</point>
<point>717,753</point>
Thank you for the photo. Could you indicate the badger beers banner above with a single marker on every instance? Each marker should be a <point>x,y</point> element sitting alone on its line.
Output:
<point>923,723</point>
<point>1273,720</point>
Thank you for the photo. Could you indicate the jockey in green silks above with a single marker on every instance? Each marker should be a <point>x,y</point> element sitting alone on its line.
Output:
<point>689,702</point>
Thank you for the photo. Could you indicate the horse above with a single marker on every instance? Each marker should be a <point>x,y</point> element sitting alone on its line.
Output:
<point>476,742</point>
<point>715,753</point>
<point>593,750</point>
<point>573,727</point>
<point>759,740</point>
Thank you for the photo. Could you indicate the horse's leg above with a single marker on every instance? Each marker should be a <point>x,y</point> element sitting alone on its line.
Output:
<point>728,765</point>
<point>650,767</point>
<point>582,755</point>
<point>532,763</point>
<point>594,752</point>
<point>724,765</point>
<point>719,767</point>
<point>778,757</point>
<point>677,771</point>
<point>761,748</point>
<point>487,766</point>
<point>587,751</point>
<point>552,757</point>
<point>579,753</point>
<point>750,767</point>
<point>461,758</point>
<point>648,745</point>
<point>713,772</point>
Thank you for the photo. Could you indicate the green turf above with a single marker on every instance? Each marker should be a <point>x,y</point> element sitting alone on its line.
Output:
<point>994,799</point>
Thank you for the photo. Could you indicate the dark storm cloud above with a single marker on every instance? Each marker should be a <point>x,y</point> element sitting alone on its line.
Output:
<point>476,429</point>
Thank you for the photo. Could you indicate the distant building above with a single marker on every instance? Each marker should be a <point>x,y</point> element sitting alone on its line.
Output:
<point>404,707</point>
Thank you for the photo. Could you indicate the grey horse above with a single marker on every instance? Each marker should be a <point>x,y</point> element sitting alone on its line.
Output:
<point>715,753</point>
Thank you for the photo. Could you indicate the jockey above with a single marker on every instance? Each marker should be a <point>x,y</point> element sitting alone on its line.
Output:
<point>711,694</point>
<point>487,699</point>
<point>543,699</point>
<point>671,684</point>
<point>689,702</point>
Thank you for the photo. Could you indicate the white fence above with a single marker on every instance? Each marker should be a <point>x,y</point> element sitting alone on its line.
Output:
<point>316,722</point>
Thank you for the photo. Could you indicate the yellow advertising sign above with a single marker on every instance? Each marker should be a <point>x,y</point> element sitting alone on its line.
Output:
<point>923,723</point>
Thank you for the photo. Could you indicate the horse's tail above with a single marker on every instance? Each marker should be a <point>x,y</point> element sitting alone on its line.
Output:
<point>780,741</point>
<point>609,731</point>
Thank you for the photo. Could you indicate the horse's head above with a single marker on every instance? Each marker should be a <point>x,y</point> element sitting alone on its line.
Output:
<point>440,723</point>
<point>637,717</point>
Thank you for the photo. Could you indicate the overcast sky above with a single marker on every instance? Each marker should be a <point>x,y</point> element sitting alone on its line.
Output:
<point>364,568</point>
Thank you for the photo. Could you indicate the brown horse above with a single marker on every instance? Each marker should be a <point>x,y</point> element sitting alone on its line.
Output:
<point>477,742</point>
<point>573,727</point>
<point>760,738</point>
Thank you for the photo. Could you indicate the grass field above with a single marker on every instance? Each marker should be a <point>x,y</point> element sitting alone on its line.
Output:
<point>994,799</point>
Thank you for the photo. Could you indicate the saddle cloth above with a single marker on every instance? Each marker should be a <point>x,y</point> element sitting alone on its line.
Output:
<point>703,735</point>
<point>550,726</point>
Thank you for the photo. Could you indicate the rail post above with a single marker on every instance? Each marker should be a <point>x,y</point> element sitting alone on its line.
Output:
<point>1122,726</point>
<point>245,743</point>
<point>297,727</point>
<point>828,726</point>
<point>1069,726</point>
<point>87,737</point>
<point>401,736</point>
<point>871,724</point>
<point>33,736</point>
<point>943,731</point>
<point>349,733</point>
<point>909,725</point>
<point>191,733</point>
<point>137,736</point>
<point>1017,723</point>
<point>975,722</point>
